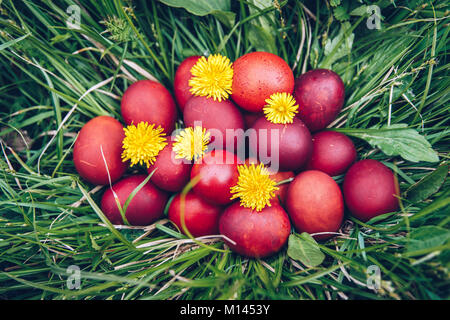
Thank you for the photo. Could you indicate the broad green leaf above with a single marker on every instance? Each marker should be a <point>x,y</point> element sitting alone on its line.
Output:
<point>261,39</point>
<point>261,33</point>
<point>427,185</point>
<point>335,3</point>
<point>305,249</point>
<point>426,237</point>
<point>221,9</point>
<point>359,11</point>
<point>397,140</point>
<point>341,14</point>
<point>338,47</point>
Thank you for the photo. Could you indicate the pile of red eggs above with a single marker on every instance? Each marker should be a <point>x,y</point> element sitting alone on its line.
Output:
<point>243,198</point>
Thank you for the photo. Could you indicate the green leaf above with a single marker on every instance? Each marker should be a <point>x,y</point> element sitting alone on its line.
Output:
<point>426,237</point>
<point>359,11</point>
<point>60,38</point>
<point>305,249</point>
<point>338,47</point>
<point>397,140</point>
<point>261,40</point>
<point>428,185</point>
<point>7,44</point>
<point>335,3</point>
<point>221,9</point>
<point>341,14</point>
<point>261,33</point>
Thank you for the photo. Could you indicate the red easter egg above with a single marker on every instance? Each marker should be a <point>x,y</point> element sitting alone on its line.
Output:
<point>251,117</point>
<point>170,174</point>
<point>149,101</point>
<point>181,86</point>
<point>281,193</point>
<point>258,75</point>
<point>370,189</point>
<point>320,94</point>
<point>217,173</point>
<point>333,153</point>
<point>146,207</point>
<point>99,134</point>
<point>255,234</point>
<point>200,217</point>
<point>222,119</point>
<point>288,144</point>
<point>315,204</point>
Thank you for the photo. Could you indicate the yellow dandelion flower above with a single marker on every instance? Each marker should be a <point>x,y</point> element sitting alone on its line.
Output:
<point>212,77</point>
<point>191,143</point>
<point>281,107</point>
<point>254,187</point>
<point>142,143</point>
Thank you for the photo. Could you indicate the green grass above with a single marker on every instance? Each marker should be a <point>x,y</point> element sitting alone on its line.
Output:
<point>53,79</point>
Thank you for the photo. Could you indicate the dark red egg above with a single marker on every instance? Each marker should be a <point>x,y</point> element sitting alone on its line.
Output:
<point>201,218</point>
<point>258,75</point>
<point>217,173</point>
<point>250,118</point>
<point>146,207</point>
<point>181,86</point>
<point>370,189</point>
<point>222,119</point>
<point>288,145</point>
<point>99,134</point>
<point>333,153</point>
<point>320,94</point>
<point>170,174</point>
<point>149,101</point>
<point>255,234</point>
<point>315,204</point>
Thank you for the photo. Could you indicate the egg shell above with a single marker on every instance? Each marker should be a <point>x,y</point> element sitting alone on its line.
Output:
<point>102,133</point>
<point>146,207</point>
<point>222,119</point>
<point>315,203</point>
<point>251,117</point>
<point>320,94</point>
<point>181,86</point>
<point>258,75</point>
<point>370,189</point>
<point>201,217</point>
<point>292,143</point>
<point>281,193</point>
<point>149,101</point>
<point>170,174</point>
<point>255,234</point>
<point>217,173</point>
<point>333,153</point>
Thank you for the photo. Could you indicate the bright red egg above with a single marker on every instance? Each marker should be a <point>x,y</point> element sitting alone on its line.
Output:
<point>146,207</point>
<point>170,174</point>
<point>315,204</point>
<point>181,86</point>
<point>149,101</point>
<point>200,217</point>
<point>257,75</point>
<point>217,173</point>
<point>222,119</point>
<point>333,153</point>
<point>320,94</point>
<point>288,144</point>
<point>97,151</point>
<point>370,189</point>
<point>255,234</point>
